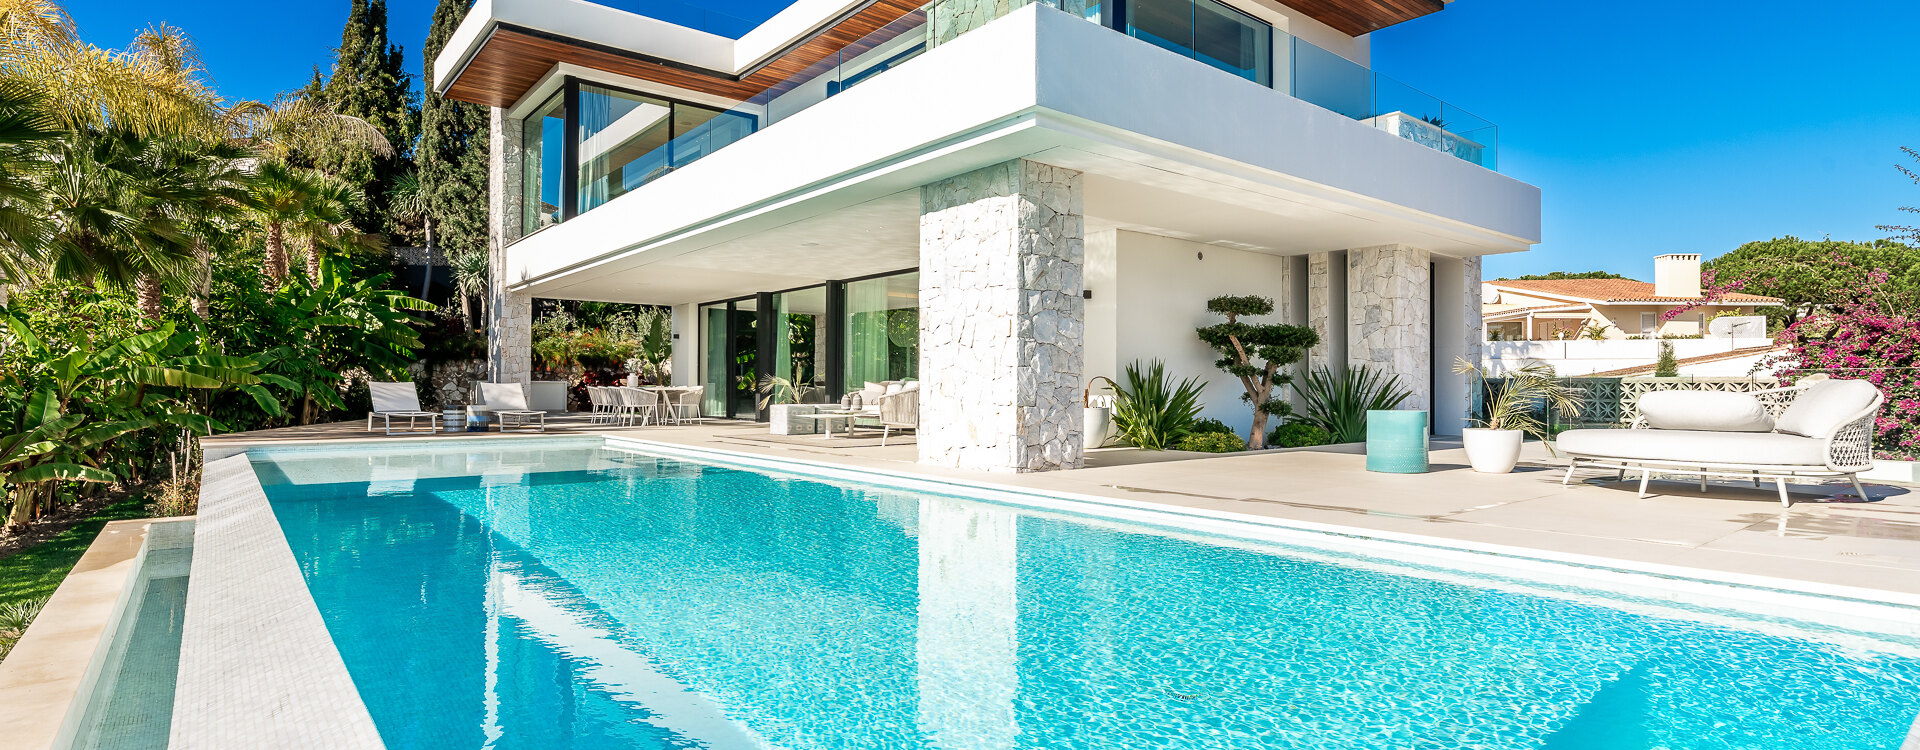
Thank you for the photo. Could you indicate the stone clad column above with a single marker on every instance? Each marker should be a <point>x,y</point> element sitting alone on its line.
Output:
<point>1389,316</point>
<point>509,315</point>
<point>1327,309</point>
<point>1476,327</point>
<point>1002,319</point>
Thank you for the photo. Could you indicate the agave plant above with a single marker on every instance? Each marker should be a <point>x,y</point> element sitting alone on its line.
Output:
<point>1338,400</point>
<point>1151,412</point>
<point>1514,401</point>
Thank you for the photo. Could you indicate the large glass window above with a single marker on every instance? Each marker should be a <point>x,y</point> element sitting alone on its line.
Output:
<point>800,344</point>
<point>883,329</point>
<point>622,142</point>
<point>743,332</point>
<point>542,164</point>
<point>1208,31</point>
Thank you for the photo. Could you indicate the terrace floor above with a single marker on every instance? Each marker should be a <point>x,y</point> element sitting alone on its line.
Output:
<point>1828,537</point>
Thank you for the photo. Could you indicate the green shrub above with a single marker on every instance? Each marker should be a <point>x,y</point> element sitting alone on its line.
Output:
<point>1297,435</point>
<point>1666,366</point>
<point>1210,425</point>
<point>1211,442</point>
<point>1338,401</point>
<point>1150,411</point>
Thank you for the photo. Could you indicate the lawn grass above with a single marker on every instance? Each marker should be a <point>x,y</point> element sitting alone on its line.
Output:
<point>36,571</point>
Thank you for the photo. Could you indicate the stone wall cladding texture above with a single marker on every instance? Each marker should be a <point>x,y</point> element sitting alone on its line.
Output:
<point>510,315</point>
<point>1389,311</point>
<point>1476,332</point>
<point>1319,305</point>
<point>1002,321</point>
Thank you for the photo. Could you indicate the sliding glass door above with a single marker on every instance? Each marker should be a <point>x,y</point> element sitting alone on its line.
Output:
<point>800,333</point>
<point>882,329</point>
<point>821,341</point>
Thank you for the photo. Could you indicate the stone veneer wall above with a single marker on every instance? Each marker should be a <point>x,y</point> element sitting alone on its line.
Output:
<point>1389,315</point>
<point>1319,306</point>
<point>1002,319</point>
<point>1475,350</point>
<point>510,315</point>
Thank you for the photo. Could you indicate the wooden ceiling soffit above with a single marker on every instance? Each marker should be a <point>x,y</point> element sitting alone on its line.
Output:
<point>1356,17</point>
<point>514,58</point>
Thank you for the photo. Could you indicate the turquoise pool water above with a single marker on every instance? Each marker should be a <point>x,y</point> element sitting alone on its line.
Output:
<point>131,705</point>
<point>561,596</point>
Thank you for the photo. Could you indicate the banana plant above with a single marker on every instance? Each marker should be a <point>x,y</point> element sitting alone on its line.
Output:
<point>60,409</point>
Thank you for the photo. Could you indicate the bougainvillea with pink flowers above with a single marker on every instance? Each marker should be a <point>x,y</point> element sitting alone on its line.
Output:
<point>1874,337</point>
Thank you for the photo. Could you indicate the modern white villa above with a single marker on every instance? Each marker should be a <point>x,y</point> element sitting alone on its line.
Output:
<point>998,198</point>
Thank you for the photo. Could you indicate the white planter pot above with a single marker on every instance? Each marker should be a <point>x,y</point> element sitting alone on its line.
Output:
<point>1492,451</point>
<point>633,381</point>
<point>1096,426</point>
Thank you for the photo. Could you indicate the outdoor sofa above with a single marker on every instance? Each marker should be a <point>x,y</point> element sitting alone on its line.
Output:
<point>1818,430</point>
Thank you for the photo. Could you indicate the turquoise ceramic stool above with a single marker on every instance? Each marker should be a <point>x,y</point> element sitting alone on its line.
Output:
<point>1397,442</point>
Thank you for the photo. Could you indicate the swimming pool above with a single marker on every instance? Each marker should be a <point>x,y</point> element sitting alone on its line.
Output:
<point>561,594</point>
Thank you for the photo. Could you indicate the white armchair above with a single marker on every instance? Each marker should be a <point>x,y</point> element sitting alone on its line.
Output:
<point>899,410</point>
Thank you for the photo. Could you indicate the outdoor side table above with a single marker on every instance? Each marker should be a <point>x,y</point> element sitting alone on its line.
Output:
<point>453,419</point>
<point>1397,441</point>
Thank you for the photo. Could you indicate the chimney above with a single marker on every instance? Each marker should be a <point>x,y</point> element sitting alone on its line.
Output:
<point>1676,275</point>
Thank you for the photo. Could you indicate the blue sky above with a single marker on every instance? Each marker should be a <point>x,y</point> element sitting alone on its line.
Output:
<point>1650,126</point>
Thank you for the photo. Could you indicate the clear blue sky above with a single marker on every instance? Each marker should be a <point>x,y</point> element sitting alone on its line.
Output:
<point>1650,126</point>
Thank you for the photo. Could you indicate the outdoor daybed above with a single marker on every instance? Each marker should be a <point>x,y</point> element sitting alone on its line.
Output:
<point>399,400</point>
<point>1818,430</point>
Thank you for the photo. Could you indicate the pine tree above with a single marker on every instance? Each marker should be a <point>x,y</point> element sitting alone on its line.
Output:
<point>370,82</point>
<point>452,155</point>
<point>1666,366</point>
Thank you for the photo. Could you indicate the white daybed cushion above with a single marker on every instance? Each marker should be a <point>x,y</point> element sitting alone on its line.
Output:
<point>1825,407</point>
<point>1705,410</point>
<point>1689,446</point>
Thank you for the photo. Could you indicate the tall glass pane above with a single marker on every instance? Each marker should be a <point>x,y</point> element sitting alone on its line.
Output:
<point>1233,41</point>
<point>713,360</point>
<point>1331,81</point>
<point>800,344</point>
<point>541,167</point>
<point>743,330</point>
<point>883,329</point>
<point>621,140</point>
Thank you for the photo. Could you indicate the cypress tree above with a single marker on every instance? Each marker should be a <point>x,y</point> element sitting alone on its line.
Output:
<point>452,155</point>
<point>370,82</point>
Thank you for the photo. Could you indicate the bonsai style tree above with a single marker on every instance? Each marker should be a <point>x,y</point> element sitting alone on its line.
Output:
<point>1254,353</point>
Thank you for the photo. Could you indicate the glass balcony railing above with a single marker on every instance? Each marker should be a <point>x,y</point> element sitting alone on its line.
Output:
<point>1295,67</point>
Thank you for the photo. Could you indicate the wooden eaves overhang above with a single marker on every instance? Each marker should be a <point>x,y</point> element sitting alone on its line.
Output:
<point>514,58</point>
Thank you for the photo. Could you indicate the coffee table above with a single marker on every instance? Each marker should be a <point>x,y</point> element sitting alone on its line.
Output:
<point>826,420</point>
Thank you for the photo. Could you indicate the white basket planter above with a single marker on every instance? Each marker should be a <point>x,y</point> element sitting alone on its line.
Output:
<point>792,419</point>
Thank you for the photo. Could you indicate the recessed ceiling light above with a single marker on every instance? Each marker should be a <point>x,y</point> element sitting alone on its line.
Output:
<point>809,244</point>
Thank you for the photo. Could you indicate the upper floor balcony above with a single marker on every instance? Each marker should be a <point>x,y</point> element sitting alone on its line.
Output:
<point>622,140</point>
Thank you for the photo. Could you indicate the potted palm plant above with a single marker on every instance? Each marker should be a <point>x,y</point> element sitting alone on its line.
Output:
<point>1493,445</point>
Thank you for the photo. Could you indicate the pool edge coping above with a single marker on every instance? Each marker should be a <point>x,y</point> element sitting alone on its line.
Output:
<point>47,679</point>
<point>258,667</point>
<point>1767,587</point>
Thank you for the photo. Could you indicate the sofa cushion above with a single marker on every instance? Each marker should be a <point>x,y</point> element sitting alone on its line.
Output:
<point>1825,407</point>
<point>1770,448</point>
<point>872,391</point>
<point>1705,410</point>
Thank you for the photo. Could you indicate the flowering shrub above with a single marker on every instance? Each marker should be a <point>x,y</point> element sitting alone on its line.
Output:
<point>1873,337</point>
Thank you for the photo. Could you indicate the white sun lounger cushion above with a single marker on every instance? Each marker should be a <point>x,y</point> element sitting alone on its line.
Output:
<point>1705,410</point>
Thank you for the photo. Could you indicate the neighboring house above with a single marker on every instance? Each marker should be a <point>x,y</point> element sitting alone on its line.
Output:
<point>1001,203</point>
<point>1570,309</point>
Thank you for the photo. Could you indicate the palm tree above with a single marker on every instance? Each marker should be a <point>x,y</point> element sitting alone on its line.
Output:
<point>470,271</point>
<point>407,201</point>
<point>27,130</point>
<point>108,210</point>
<point>283,195</point>
<point>153,87</point>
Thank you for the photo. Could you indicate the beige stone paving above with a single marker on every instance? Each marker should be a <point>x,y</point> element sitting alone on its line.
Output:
<point>1732,528</point>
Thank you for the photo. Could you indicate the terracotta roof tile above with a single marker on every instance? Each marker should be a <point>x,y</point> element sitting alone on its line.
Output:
<point>1616,290</point>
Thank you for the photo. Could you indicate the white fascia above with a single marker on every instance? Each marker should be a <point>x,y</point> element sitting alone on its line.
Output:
<point>611,27</point>
<point>1021,86</point>
<point>583,22</point>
